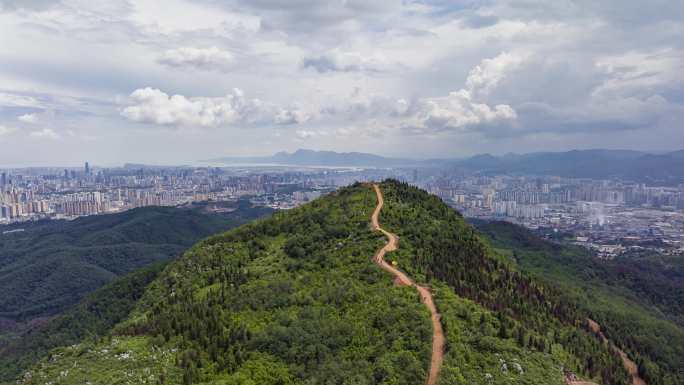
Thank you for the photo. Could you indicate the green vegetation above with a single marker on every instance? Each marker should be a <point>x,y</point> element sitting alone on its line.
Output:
<point>296,299</point>
<point>291,299</point>
<point>53,264</point>
<point>91,319</point>
<point>637,301</point>
<point>437,244</point>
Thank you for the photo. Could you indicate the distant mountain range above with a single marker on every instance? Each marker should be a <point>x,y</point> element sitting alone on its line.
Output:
<point>627,164</point>
<point>597,163</point>
<point>322,158</point>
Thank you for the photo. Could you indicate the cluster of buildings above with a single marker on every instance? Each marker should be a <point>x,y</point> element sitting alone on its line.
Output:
<point>610,216</point>
<point>15,203</point>
<point>50,193</point>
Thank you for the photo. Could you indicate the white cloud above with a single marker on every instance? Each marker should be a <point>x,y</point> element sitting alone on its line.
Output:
<point>457,111</point>
<point>362,105</point>
<point>28,118</point>
<point>293,116</point>
<point>498,68</point>
<point>14,100</point>
<point>460,109</point>
<point>4,130</point>
<point>154,106</point>
<point>312,17</point>
<point>372,130</point>
<point>45,133</point>
<point>465,109</point>
<point>305,134</point>
<point>212,58</point>
<point>11,5</point>
<point>487,75</point>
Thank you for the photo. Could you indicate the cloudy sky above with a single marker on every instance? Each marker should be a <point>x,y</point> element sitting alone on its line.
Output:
<point>177,81</point>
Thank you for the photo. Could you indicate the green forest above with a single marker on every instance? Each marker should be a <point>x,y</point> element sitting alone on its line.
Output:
<point>92,318</point>
<point>51,265</point>
<point>638,301</point>
<point>295,299</point>
<point>47,269</point>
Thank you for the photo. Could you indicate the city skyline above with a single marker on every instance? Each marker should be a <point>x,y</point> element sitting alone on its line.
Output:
<point>612,217</point>
<point>429,78</point>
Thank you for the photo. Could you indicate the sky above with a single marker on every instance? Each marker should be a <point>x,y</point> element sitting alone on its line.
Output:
<point>177,81</point>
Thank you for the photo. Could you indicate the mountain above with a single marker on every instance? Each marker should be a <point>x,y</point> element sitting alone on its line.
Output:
<point>677,154</point>
<point>638,299</point>
<point>92,317</point>
<point>322,158</point>
<point>299,298</point>
<point>635,165</point>
<point>51,265</point>
<point>598,163</point>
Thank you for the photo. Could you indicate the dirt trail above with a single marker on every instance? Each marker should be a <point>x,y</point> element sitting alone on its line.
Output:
<point>629,365</point>
<point>403,279</point>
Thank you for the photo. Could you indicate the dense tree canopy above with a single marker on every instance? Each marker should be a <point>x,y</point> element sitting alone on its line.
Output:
<point>296,299</point>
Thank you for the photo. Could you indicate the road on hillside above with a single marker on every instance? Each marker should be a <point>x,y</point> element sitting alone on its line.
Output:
<point>629,365</point>
<point>403,279</point>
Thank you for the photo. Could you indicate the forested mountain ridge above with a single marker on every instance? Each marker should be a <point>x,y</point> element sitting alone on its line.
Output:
<point>296,299</point>
<point>91,318</point>
<point>51,265</point>
<point>637,300</point>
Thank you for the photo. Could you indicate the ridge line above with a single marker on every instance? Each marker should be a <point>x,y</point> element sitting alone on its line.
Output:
<point>403,279</point>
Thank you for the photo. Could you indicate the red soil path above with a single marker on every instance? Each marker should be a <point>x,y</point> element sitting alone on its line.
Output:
<point>402,279</point>
<point>629,365</point>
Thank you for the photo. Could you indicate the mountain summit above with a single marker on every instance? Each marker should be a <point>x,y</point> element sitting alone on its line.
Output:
<point>299,299</point>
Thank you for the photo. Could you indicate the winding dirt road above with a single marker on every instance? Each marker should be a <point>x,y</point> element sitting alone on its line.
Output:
<point>629,365</point>
<point>402,279</point>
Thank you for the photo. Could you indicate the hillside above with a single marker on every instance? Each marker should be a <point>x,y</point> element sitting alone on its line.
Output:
<point>53,264</point>
<point>638,301</point>
<point>297,299</point>
<point>91,318</point>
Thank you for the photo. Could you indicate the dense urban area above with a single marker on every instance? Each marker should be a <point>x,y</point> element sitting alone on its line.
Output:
<point>612,217</point>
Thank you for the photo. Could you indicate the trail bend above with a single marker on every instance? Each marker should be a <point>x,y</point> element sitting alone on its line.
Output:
<point>403,279</point>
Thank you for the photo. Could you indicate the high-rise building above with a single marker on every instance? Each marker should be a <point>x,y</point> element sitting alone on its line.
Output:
<point>3,179</point>
<point>87,168</point>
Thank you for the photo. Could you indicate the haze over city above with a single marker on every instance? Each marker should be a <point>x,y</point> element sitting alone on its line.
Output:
<point>115,82</point>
